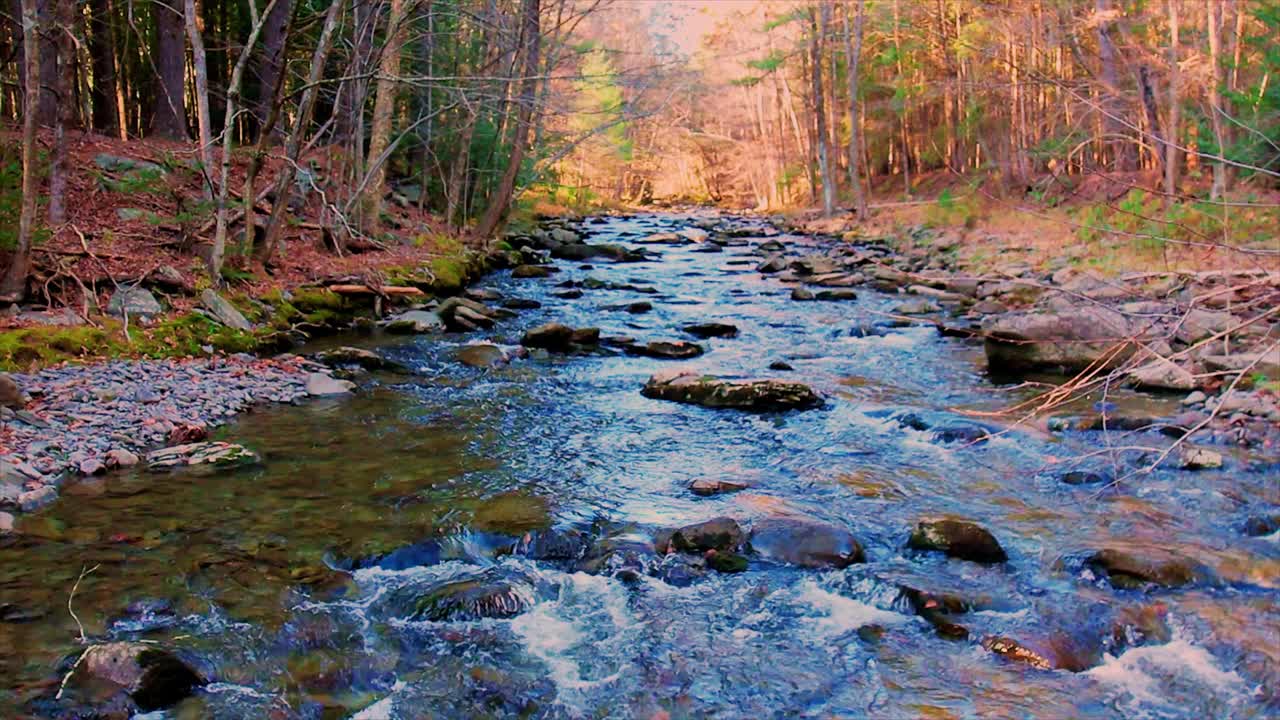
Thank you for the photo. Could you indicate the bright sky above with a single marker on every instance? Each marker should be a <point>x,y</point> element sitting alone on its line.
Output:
<point>686,22</point>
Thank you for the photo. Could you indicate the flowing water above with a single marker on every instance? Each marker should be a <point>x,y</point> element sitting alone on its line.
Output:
<point>246,574</point>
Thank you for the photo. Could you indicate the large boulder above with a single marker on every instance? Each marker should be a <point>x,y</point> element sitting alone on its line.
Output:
<point>753,395</point>
<point>1072,340</point>
<point>584,251</point>
<point>119,679</point>
<point>806,543</point>
<point>223,311</point>
<point>134,302</point>
<point>552,336</point>
<point>1138,567</point>
<point>482,355</point>
<point>959,539</point>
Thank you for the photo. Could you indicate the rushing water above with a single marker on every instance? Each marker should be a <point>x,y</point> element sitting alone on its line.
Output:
<point>242,571</point>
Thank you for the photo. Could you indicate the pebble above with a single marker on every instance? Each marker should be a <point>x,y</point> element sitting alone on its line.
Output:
<point>105,415</point>
<point>1194,398</point>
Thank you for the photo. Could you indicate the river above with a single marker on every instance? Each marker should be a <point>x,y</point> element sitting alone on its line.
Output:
<point>247,572</point>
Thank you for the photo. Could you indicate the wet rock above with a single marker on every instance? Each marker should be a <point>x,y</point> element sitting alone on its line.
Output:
<point>324,385</point>
<point>521,304</point>
<point>1195,458</point>
<point>805,543</point>
<point>215,454</point>
<point>802,294</point>
<point>1013,651</point>
<point>752,395</point>
<point>967,434</point>
<point>488,596</point>
<point>836,295</point>
<point>415,322</point>
<point>662,238</point>
<point>725,562</point>
<point>119,678</point>
<point>1136,568</point>
<point>223,311</point>
<point>780,365</point>
<point>583,251</point>
<point>555,337</point>
<point>1259,525</point>
<point>533,271</point>
<point>774,264</point>
<point>958,539</point>
<point>1085,477</point>
<point>711,329</point>
<point>462,315</point>
<point>706,487</point>
<point>121,458</point>
<point>1195,398</point>
<point>572,294</point>
<point>664,350</point>
<point>815,265</point>
<point>136,302</point>
<point>347,356</point>
<point>482,355</point>
<point>33,500</point>
<point>680,570</point>
<point>1073,340</point>
<point>553,544</point>
<point>720,534</point>
<point>637,308</point>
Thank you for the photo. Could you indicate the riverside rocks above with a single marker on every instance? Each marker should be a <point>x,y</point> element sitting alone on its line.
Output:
<point>560,338</point>
<point>664,350</point>
<point>102,416</point>
<point>216,454</point>
<point>1129,568</point>
<point>753,395</point>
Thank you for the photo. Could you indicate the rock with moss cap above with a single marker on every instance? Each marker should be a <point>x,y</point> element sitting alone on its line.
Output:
<point>959,539</point>
<point>753,395</point>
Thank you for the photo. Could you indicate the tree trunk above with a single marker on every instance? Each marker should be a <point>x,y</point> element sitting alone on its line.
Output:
<point>1153,116</point>
<point>48,108</point>
<point>64,16</point>
<point>1172,156</point>
<point>352,92</point>
<point>500,203</point>
<point>384,106</point>
<point>102,51</point>
<point>853,47</point>
<point>1213,18</point>
<point>14,284</point>
<point>818,22</point>
<point>268,66</point>
<point>200,68</point>
<point>293,143</point>
<point>170,116</point>
<point>1125,158</point>
<point>229,111</point>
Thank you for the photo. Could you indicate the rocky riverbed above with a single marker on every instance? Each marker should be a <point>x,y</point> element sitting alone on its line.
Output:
<point>89,420</point>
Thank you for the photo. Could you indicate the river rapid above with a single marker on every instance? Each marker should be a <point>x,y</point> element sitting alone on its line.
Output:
<point>295,586</point>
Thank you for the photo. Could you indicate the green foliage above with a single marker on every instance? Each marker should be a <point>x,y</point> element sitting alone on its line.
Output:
<point>952,210</point>
<point>1258,105</point>
<point>768,63</point>
<point>1144,223</point>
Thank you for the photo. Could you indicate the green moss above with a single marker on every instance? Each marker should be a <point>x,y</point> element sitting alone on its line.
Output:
<point>313,299</point>
<point>450,273</point>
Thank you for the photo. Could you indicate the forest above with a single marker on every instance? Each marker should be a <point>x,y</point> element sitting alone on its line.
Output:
<point>465,107</point>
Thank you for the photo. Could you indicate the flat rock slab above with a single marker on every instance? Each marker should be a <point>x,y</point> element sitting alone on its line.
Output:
<point>216,454</point>
<point>754,395</point>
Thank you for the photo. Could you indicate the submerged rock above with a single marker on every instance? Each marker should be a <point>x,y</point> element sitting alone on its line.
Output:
<point>118,679</point>
<point>553,544</point>
<point>325,385</point>
<point>488,596</point>
<point>358,357</point>
<point>711,329</point>
<point>667,350</point>
<point>706,487</point>
<point>752,395</point>
<point>482,355</point>
<point>533,271</point>
<point>217,454</point>
<point>959,539</point>
<point>806,543</point>
<point>1130,568</point>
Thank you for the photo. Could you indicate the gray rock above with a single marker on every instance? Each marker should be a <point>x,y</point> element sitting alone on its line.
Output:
<point>706,487</point>
<point>1162,374</point>
<point>1073,340</point>
<point>137,302</point>
<point>223,311</point>
<point>124,165</point>
<point>959,539</point>
<point>6,522</point>
<point>774,264</point>
<point>806,543</point>
<point>347,356</point>
<point>415,322</point>
<point>129,214</point>
<point>721,534</point>
<point>1195,458</point>
<point>916,307</point>
<point>323,385</point>
<point>482,355</point>
<point>1195,398</point>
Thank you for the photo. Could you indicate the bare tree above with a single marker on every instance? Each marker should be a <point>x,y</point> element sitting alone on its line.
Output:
<point>853,48</point>
<point>13,285</point>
